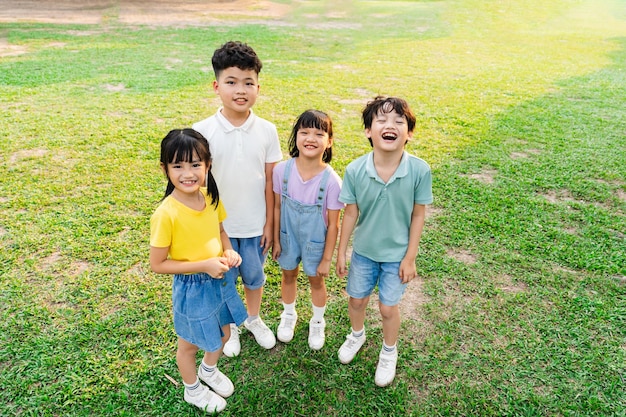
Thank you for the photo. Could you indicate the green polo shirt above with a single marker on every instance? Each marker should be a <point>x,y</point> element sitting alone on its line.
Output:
<point>382,229</point>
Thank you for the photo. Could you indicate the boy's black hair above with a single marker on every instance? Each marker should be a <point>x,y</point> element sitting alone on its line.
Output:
<point>235,54</point>
<point>180,145</point>
<point>311,119</point>
<point>386,104</point>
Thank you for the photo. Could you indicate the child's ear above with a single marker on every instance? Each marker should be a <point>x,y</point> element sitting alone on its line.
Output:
<point>164,168</point>
<point>330,142</point>
<point>409,137</point>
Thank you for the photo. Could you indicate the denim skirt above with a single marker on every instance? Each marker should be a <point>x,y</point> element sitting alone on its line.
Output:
<point>202,305</point>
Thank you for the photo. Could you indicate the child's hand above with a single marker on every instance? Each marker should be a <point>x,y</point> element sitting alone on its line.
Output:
<point>217,266</point>
<point>267,239</point>
<point>407,270</point>
<point>341,268</point>
<point>276,250</point>
<point>323,269</point>
<point>233,259</point>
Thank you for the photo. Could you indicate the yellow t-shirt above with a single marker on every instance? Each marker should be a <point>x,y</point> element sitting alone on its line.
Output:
<point>191,235</point>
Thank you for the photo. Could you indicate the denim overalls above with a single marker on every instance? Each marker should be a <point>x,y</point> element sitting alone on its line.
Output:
<point>302,227</point>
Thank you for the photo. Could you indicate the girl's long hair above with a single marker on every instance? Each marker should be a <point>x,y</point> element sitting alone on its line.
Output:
<point>312,119</point>
<point>180,145</point>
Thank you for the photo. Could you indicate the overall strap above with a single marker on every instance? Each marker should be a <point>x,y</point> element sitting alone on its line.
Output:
<point>286,175</point>
<point>323,182</point>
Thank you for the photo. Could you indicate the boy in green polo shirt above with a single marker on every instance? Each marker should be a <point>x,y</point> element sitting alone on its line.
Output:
<point>385,192</point>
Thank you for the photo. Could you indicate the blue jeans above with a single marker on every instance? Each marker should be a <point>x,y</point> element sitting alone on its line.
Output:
<point>365,274</point>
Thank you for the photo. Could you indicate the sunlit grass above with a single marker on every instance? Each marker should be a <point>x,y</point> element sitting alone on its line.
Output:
<point>521,308</point>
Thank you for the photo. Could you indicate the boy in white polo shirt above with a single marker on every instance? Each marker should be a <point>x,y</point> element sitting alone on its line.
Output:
<point>245,149</point>
<point>385,192</point>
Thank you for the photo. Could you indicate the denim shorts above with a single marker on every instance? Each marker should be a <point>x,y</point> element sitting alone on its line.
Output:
<point>252,268</point>
<point>202,305</point>
<point>365,274</point>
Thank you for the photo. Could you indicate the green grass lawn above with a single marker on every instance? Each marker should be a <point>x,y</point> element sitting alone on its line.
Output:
<point>520,309</point>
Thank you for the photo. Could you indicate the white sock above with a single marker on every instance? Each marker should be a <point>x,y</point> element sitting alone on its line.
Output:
<point>250,319</point>
<point>318,312</point>
<point>358,334</point>
<point>388,350</point>
<point>194,388</point>
<point>290,308</point>
<point>208,369</point>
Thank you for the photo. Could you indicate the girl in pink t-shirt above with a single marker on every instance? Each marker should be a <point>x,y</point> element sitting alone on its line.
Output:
<point>306,217</point>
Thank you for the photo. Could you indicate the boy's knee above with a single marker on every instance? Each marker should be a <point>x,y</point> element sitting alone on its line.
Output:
<point>388,312</point>
<point>358,303</point>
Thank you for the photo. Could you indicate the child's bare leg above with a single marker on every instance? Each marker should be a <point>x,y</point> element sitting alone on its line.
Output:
<point>391,323</point>
<point>289,286</point>
<point>186,360</point>
<point>211,358</point>
<point>253,300</point>
<point>356,312</point>
<point>318,291</point>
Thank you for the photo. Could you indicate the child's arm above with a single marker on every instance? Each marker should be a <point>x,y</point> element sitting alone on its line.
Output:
<point>408,269</point>
<point>276,249</point>
<point>350,216</point>
<point>233,259</point>
<point>268,230</point>
<point>161,264</point>
<point>331,240</point>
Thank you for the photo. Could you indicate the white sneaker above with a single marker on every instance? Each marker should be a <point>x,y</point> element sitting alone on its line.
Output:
<point>261,332</point>
<point>350,347</point>
<point>386,368</point>
<point>316,334</point>
<point>217,381</point>
<point>284,333</point>
<point>206,400</point>
<point>232,347</point>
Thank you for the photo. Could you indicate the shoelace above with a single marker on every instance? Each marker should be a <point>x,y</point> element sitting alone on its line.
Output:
<point>351,342</point>
<point>289,321</point>
<point>385,363</point>
<point>317,328</point>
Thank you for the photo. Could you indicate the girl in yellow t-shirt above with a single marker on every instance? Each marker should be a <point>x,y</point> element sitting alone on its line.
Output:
<point>187,240</point>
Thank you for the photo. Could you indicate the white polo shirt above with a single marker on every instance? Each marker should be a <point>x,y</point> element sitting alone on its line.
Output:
<point>239,158</point>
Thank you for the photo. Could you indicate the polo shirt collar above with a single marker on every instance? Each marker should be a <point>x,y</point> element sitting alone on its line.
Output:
<point>401,171</point>
<point>228,127</point>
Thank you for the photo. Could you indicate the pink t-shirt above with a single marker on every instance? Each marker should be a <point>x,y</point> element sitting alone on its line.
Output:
<point>306,191</point>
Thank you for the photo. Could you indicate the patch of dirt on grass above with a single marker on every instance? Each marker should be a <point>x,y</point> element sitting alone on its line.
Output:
<point>50,260</point>
<point>558,196</point>
<point>78,267</point>
<point>505,283</point>
<point>518,155</point>
<point>116,87</point>
<point>6,49</point>
<point>462,255</point>
<point>485,176</point>
<point>152,12</point>
<point>27,154</point>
